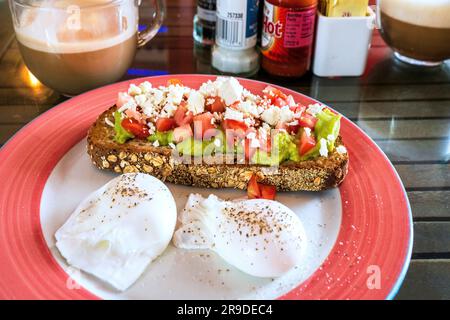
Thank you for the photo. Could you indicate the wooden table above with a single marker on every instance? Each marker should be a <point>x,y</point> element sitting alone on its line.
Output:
<point>406,110</point>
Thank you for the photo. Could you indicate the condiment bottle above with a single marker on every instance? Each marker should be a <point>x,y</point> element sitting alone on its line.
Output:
<point>287,37</point>
<point>205,22</point>
<point>236,33</point>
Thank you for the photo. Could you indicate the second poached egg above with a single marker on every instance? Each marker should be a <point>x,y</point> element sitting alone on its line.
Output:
<point>263,238</point>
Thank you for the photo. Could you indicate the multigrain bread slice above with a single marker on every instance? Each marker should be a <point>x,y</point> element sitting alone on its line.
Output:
<point>140,156</point>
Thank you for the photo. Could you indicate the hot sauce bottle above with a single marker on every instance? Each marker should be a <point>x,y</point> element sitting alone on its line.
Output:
<point>287,36</point>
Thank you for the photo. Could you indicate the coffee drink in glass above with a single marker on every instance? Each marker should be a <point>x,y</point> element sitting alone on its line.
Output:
<point>76,45</point>
<point>417,30</point>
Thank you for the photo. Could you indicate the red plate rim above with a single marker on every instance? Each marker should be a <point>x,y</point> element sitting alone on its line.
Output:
<point>374,242</point>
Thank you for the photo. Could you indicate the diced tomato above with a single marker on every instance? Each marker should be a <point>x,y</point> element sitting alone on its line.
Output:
<point>267,191</point>
<point>293,129</point>
<point>307,120</point>
<point>122,98</point>
<point>298,109</point>
<point>202,123</point>
<point>182,116</point>
<point>130,113</point>
<point>274,93</point>
<point>265,144</point>
<point>253,191</point>
<point>306,143</point>
<point>229,124</point>
<point>218,105</point>
<point>174,82</point>
<point>165,124</point>
<point>248,150</point>
<point>279,102</point>
<point>257,190</point>
<point>139,130</point>
<point>181,133</point>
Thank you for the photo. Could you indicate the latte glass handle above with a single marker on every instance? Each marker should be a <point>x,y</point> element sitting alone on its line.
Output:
<point>152,29</point>
<point>376,9</point>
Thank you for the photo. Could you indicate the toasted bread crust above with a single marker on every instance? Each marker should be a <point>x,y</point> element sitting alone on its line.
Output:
<point>141,156</point>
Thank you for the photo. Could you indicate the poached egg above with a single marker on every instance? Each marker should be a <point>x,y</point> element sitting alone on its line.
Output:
<point>119,229</point>
<point>263,238</point>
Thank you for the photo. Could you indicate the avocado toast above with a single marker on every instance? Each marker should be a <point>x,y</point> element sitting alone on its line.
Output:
<point>220,136</point>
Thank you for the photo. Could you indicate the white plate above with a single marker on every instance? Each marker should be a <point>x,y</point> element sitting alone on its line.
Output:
<point>182,274</point>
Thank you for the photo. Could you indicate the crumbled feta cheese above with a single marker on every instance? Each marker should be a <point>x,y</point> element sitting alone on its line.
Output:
<point>248,107</point>
<point>108,122</point>
<point>286,115</point>
<point>156,143</point>
<point>145,86</point>
<point>172,145</point>
<point>308,132</point>
<point>250,96</point>
<point>140,99</point>
<point>175,94</point>
<point>251,135</point>
<point>314,109</point>
<point>157,96</point>
<point>323,150</point>
<point>151,127</point>
<point>260,109</point>
<point>134,90</point>
<point>249,122</point>
<point>293,123</point>
<point>230,91</point>
<point>331,137</point>
<point>168,111</point>
<point>341,149</point>
<point>196,102</point>
<point>131,104</point>
<point>271,115</point>
<point>254,143</point>
<point>233,114</point>
<point>208,89</point>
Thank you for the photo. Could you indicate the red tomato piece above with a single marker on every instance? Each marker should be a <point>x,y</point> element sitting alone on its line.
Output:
<point>182,116</point>
<point>253,191</point>
<point>218,105</point>
<point>307,120</point>
<point>174,82</point>
<point>279,102</point>
<point>267,191</point>
<point>274,93</point>
<point>136,128</point>
<point>165,124</point>
<point>229,124</point>
<point>202,123</point>
<point>181,133</point>
<point>306,143</point>
<point>248,150</point>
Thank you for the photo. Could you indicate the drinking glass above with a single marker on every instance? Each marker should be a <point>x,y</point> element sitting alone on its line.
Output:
<point>73,46</point>
<point>417,30</point>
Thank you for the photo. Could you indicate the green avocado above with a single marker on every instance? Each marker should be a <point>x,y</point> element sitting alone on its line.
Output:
<point>121,135</point>
<point>327,127</point>
<point>192,147</point>
<point>283,149</point>
<point>164,138</point>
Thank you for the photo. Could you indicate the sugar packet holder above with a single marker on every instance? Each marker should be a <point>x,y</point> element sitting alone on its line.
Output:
<point>342,45</point>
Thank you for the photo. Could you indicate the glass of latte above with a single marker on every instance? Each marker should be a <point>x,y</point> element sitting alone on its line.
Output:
<point>73,46</point>
<point>417,30</point>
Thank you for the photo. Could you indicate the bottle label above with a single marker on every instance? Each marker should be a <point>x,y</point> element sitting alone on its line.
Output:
<point>286,28</point>
<point>237,23</point>
<point>206,10</point>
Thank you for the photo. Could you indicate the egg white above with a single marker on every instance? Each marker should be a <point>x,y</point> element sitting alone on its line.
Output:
<point>119,229</point>
<point>260,237</point>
